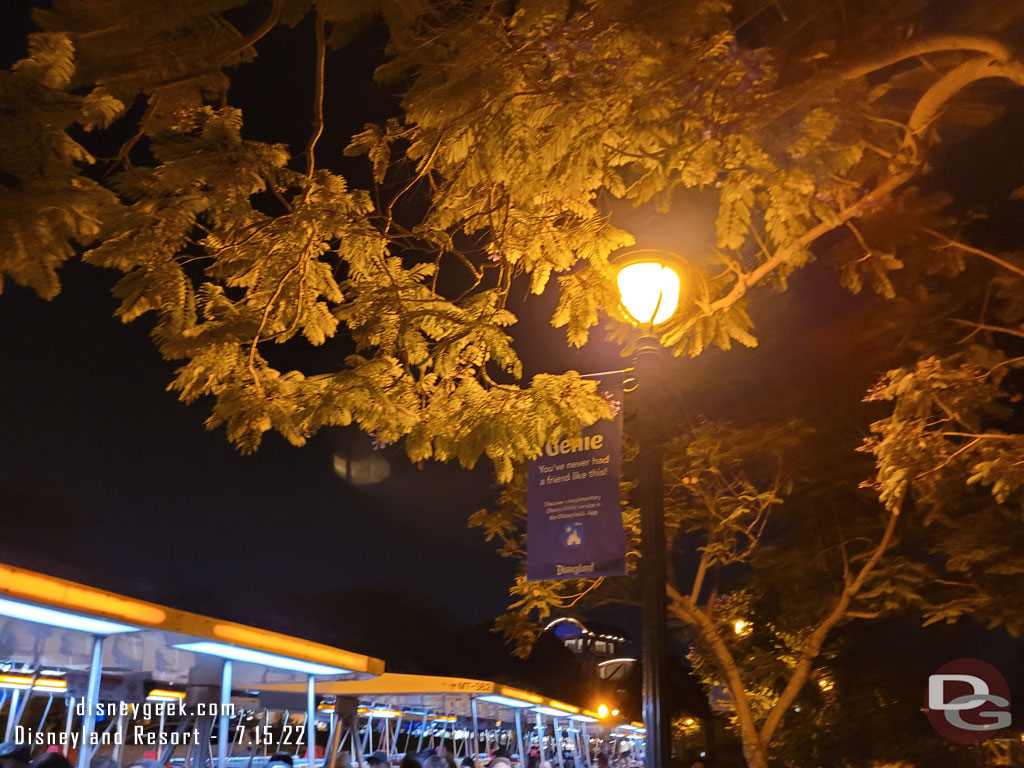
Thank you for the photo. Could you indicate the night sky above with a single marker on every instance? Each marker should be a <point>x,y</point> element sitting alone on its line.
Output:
<point>106,479</point>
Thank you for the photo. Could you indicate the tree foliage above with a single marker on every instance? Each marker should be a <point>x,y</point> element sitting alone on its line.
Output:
<point>523,128</point>
<point>521,125</point>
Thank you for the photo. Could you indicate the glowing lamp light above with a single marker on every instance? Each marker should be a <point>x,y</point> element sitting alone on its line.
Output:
<point>602,711</point>
<point>649,291</point>
<point>615,713</point>
<point>741,627</point>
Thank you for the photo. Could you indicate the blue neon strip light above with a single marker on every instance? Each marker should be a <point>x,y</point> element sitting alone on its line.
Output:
<point>236,653</point>
<point>508,702</point>
<point>55,618</point>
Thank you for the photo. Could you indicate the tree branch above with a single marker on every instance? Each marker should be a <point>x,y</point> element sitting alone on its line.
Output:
<point>924,112</point>
<point>934,44</point>
<point>954,81</point>
<point>812,645</point>
<point>993,328</point>
<point>976,251</point>
<point>318,103</point>
<point>754,747</point>
<point>251,39</point>
<point>783,254</point>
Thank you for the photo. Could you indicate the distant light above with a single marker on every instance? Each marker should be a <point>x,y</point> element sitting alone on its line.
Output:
<point>55,618</point>
<point>741,627</point>
<point>561,619</point>
<point>615,713</point>
<point>602,711</point>
<point>506,701</point>
<point>159,694</point>
<point>362,470</point>
<point>260,657</point>
<point>385,713</point>
<point>649,291</point>
<point>23,682</point>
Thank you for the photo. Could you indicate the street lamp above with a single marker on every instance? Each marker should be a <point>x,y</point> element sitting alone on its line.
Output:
<point>649,289</point>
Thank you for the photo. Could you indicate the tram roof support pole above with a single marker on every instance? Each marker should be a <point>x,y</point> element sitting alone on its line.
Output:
<point>423,728</point>
<point>476,733</point>
<point>519,739</point>
<point>92,695</point>
<point>540,737</point>
<point>311,721</point>
<point>12,714</point>
<point>223,730</point>
<point>70,702</point>
<point>398,730</point>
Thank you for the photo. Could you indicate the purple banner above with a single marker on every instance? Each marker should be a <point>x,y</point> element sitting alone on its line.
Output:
<point>574,514</point>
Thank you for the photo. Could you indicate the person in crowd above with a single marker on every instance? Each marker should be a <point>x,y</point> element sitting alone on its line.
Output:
<point>282,757</point>
<point>377,760</point>
<point>410,761</point>
<point>51,760</point>
<point>500,761</point>
<point>14,755</point>
<point>102,761</point>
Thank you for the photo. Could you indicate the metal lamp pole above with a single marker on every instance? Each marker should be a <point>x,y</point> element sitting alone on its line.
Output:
<point>652,555</point>
<point>650,291</point>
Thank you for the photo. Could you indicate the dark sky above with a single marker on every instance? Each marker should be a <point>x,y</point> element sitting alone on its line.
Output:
<point>105,478</point>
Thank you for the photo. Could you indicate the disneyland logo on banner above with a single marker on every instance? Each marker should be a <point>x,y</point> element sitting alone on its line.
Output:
<point>968,701</point>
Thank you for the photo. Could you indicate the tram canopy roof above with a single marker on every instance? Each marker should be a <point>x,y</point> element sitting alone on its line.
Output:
<point>417,696</point>
<point>48,623</point>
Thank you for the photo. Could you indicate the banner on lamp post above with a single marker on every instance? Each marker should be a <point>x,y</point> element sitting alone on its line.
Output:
<point>574,511</point>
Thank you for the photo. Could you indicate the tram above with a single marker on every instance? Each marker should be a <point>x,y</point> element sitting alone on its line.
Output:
<point>93,674</point>
<point>125,678</point>
<point>397,713</point>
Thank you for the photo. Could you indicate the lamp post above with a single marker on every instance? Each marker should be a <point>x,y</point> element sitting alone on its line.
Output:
<point>649,292</point>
